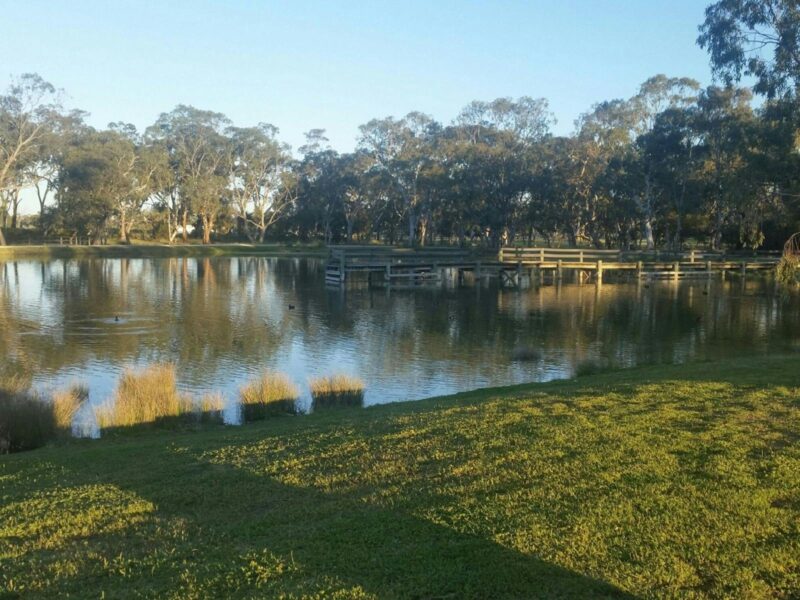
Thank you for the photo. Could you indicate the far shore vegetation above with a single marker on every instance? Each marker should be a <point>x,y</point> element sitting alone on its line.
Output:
<point>662,481</point>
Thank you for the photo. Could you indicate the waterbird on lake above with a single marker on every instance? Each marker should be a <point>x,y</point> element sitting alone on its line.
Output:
<point>116,318</point>
<point>291,307</point>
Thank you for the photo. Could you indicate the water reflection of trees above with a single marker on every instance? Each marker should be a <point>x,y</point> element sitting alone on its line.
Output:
<point>224,318</point>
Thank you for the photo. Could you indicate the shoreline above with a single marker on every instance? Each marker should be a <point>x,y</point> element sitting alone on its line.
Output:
<point>159,251</point>
<point>622,484</point>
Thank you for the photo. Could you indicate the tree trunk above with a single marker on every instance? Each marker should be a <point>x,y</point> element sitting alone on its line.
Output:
<point>14,210</point>
<point>123,229</point>
<point>185,218</point>
<point>646,206</point>
<point>412,228</point>
<point>206,229</point>
<point>2,238</point>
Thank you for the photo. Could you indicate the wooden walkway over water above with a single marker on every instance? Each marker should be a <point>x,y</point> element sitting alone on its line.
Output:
<point>406,267</point>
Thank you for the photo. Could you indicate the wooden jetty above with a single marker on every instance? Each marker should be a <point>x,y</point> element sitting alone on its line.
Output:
<point>407,267</point>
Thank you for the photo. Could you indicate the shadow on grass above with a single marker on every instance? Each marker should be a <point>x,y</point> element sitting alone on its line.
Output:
<point>326,540</point>
<point>334,539</point>
<point>194,420</point>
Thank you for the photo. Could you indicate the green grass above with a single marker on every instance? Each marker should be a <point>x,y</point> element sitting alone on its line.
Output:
<point>679,481</point>
<point>155,250</point>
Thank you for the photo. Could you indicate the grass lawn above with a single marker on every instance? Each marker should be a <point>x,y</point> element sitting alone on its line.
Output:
<point>157,250</point>
<point>652,482</point>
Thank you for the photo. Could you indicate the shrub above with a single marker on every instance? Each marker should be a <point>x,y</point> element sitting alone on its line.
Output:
<point>788,269</point>
<point>27,420</point>
<point>337,391</point>
<point>270,395</point>
<point>147,396</point>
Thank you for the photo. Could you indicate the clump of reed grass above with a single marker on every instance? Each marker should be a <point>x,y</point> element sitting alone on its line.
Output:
<point>337,391</point>
<point>148,396</point>
<point>210,408</point>
<point>525,354</point>
<point>66,404</point>
<point>591,366</point>
<point>270,395</point>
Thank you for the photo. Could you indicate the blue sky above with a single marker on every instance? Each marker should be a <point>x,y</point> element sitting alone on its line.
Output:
<point>335,65</point>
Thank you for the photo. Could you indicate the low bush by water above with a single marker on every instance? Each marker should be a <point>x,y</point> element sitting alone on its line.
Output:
<point>591,366</point>
<point>337,390</point>
<point>29,420</point>
<point>270,395</point>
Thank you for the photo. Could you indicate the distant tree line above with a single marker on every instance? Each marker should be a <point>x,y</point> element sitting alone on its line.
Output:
<point>672,164</point>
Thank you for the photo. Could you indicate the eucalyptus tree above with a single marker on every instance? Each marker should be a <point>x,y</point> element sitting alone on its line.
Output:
<point>27,112</point>
<point>725,123</point>
<point>105,178</point>
<point>401,148</point>
<point>755,38</point>
<point>357,201</point>
<point>319,188</point>
<point>198,152</point>
<point>669,151</point>
<point>261,182</point>
<point>498,146</point>
<point>760,39</point>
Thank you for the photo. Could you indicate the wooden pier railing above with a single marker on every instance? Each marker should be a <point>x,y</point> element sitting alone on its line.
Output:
<point>425,265</point>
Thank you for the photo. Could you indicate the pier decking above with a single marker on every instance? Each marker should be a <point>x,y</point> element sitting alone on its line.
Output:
<point>429,266</point>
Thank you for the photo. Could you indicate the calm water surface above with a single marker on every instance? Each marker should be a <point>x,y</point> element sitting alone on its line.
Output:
<point>224,320</point>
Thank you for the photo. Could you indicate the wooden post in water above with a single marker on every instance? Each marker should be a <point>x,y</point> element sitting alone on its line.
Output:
<point>341,267</point>
<point>708,268</point>
<point>559,270</point>
<point>676,269</point>
<point>599,272</point>
<point>691,256</point>
<point>639,269</point>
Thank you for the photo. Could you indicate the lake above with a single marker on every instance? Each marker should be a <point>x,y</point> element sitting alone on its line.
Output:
<point>224,320</point>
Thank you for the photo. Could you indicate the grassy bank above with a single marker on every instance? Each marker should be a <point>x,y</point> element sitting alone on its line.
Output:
<point>152,250</point>
<point>654,482</point>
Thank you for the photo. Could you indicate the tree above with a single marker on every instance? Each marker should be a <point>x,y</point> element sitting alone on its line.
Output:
<point>27,112</point>
<point>725,123</point>
<point>758,38</point>
<point>401,149</point>
<point>198,153</point>
<point>260,179</point>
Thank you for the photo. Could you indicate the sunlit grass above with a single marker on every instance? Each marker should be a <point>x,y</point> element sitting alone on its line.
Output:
<point>657,482</point>
<point>143,397</point>
<point>269,395</point>
<point>337,390</point>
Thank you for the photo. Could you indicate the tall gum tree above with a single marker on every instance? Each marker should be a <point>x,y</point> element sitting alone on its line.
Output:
<point>27,112</point>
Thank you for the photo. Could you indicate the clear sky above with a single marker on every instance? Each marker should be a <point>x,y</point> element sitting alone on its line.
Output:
<point>303,64</point>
